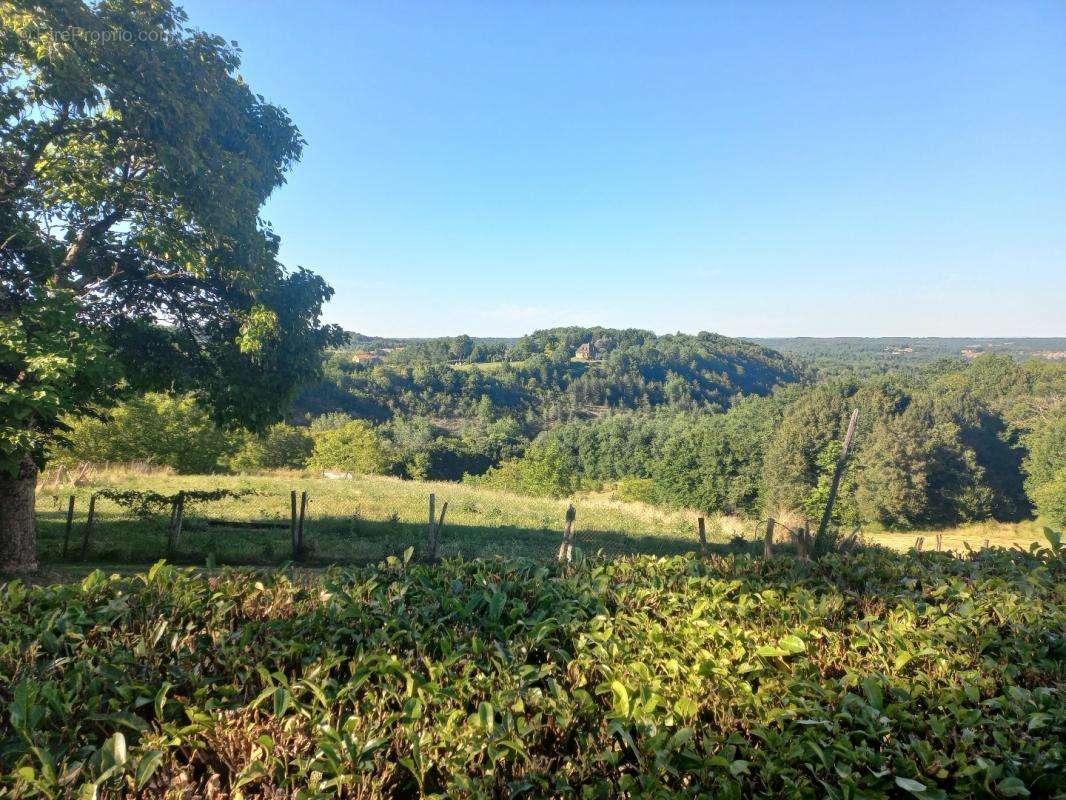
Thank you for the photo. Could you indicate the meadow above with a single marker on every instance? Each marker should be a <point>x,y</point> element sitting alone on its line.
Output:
<point>368,518</point>
<point>362,519</point>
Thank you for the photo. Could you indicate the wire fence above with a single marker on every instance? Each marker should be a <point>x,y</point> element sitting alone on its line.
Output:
<point>345,526</point>
<point>256,528</point>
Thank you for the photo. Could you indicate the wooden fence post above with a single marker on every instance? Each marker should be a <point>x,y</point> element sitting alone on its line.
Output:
<point>566,547</point>
<point>180,520</point>
<point>434,536</point>
<point>300,525</point>
<point>837,474</point>
<point>432,513</point>
<point>70,523</point>
<point>939,541</point>
<point>703,537</point>
<point>802,538</point>
<point>768,540</point>
<point>177,516</point>
<point>88,526</point>
<point>292,525</point>
<point>430,532</point>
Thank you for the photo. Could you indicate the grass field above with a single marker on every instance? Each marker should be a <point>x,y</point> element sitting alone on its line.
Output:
<point>359,520</point>
<point>369,518</point>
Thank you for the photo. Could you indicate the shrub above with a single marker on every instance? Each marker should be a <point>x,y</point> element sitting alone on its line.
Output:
<point>548,469</point>
<point>1050,499</point>
<point>637,490</point>
<point>874,675</point>
<point>329,421</point>
<point>281,447</point>
<point>164,429</point>
<point>1046,468</point>
<point>353,447</point>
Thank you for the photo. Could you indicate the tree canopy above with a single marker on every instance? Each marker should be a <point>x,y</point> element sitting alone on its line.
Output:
<point>133,165</point>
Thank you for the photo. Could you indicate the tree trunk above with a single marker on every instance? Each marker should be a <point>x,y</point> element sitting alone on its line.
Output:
<point>18,523</point>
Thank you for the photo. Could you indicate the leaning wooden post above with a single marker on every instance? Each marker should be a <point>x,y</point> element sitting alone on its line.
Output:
<point>292,525</point>
<point>88,526</point>
<point>179,520</point>
<point>837,474</point>
<point>768,540</point>
<point>566,547</point>
<point>300,524</point>
<point>701,529</point>
<point>434,544</point>
<point>70,524</point>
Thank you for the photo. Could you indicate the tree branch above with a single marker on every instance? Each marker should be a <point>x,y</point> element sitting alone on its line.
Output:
<point>86,238</point>
<point>25,173</point>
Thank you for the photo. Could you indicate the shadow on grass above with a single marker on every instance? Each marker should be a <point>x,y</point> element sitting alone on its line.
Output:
<point>343,540</point>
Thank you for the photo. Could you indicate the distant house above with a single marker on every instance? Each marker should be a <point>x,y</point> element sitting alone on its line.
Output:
<point>584,352</point>
<point>366,358</point>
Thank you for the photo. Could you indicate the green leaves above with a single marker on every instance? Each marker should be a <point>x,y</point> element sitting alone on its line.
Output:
<point>486,716</point>
<point>788,646</point>
<point>23,711</point>
<point>909,784</point>
<point>136,162</point>
<point>621,699</point>
<point>55,366</point>
<point>281,699</point>
<point>400,681</point>
<point>1012,787</point>
<point>871,687</point>
<point>353,447</point>
<point>112,758</point>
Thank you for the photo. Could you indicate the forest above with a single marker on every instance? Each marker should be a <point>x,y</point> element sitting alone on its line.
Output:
<point>704,422</point>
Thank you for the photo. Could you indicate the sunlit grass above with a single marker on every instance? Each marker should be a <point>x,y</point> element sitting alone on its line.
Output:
<point>368,518</point>
<point>363,519</point>
<point>975,535</point>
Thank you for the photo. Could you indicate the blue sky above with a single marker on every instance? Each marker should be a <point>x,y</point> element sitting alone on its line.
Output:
<point>751,168</point>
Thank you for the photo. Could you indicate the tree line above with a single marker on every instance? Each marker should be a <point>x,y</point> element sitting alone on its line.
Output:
<point>952,444</point>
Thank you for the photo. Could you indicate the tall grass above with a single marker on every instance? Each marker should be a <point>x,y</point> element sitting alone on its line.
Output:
<point>367,518</point>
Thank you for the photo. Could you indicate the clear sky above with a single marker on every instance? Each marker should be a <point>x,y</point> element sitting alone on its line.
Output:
<point>752,168</point>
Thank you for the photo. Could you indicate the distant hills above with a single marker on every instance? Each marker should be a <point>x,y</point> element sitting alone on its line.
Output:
<point>881,351</point>
<point>544,377</point>
<point>888,351</point>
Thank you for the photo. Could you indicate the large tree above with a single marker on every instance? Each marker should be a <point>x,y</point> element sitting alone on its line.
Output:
<point>133,166</point>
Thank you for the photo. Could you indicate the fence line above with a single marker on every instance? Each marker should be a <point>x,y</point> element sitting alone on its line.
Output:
<point>227,527</point>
